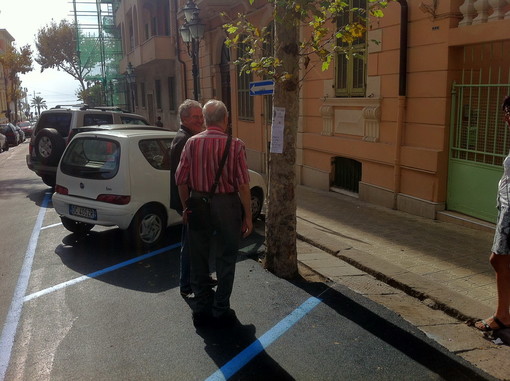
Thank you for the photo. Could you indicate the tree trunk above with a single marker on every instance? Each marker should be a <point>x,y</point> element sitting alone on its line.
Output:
<point>281,254</point>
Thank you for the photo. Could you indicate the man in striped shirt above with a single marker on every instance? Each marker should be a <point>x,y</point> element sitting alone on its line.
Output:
<point>230,213</point>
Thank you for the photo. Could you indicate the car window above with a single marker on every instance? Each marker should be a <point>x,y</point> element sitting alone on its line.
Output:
<point>97,119</point>
<point>91,158</point>
<point>157,152</point>
<point>58,121</point>
<point>124,119</point>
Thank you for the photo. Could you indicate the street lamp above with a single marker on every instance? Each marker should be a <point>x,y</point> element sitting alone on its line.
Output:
<point>192,31</point>
<point>131,80</point>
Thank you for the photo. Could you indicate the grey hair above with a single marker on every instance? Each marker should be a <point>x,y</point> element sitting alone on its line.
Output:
<point>186,107</point>
<point>215,112</point>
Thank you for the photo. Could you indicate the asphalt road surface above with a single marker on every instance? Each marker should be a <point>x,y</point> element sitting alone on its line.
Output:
<point>95,308</point>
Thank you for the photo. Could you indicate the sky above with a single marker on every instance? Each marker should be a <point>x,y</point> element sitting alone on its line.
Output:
<point>23,19</point>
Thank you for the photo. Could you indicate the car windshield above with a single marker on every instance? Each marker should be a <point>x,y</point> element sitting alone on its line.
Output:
<point>91,158</point>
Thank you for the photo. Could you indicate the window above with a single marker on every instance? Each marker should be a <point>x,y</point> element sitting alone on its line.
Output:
<point>244,100</point>
<point>157,88</point>
<point>59,121</point>
<point>97,119</point>
<point>156,152</point>
<point>91,159</point>
<point>351,65</point>
<point>171,94</point>
<point>132,120</point>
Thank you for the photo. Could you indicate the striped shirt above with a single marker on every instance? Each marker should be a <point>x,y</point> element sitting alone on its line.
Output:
<point>200,160</point>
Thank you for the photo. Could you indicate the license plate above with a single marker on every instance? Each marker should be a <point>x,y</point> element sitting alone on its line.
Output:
<point>80,211</point>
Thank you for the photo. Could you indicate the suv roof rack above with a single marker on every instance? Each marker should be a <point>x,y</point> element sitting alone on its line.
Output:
<point>85,106</point>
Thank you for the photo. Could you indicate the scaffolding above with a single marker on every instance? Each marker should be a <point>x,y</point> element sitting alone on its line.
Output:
<point>99,49</point>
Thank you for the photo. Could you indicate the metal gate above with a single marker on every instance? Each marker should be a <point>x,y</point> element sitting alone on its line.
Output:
<point>479,142</point>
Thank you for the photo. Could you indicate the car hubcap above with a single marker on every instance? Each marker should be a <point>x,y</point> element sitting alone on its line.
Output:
<point>150,228</point>
<point>45,147</point>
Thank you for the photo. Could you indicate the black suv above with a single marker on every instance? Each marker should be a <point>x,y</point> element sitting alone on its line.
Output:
<point>53,129</point>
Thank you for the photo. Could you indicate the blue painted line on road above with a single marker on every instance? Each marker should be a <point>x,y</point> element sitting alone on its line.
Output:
<point>243,358</point>
<point>14,313</point>
<point>96,274</point>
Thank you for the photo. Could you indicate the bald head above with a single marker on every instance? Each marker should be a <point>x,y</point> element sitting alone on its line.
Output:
<point>216,114</point>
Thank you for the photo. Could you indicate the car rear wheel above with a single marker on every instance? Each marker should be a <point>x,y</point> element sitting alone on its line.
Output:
<point>257,200</point>
<point>49,146</point>
<point>49,180</point>
<point>76,227</point>
<point>148,226</point>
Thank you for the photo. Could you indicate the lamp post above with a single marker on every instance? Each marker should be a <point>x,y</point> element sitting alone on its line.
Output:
<point>192,31</point>
<point>131,80</point>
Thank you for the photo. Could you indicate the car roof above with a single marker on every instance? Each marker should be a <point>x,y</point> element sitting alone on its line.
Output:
<point>128,133</point>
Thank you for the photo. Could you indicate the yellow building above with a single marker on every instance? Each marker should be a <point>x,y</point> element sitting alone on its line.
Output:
<point>415,125</point>
<point>5,40</point>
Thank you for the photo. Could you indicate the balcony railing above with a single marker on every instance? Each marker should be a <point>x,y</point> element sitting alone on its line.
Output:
<point>483,11</point>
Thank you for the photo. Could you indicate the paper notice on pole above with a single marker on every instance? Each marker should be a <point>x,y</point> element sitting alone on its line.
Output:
<point>277,130</point>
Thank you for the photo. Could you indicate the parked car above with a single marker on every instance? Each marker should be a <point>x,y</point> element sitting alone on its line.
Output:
<point>20,133</point>
<point>11,133</point>
<point>121,177</point>
<point>4,146</point>
<point>50,134</point>
<point>26,127</point>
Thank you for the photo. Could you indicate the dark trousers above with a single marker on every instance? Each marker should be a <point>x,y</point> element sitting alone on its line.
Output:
<point>222,238</point>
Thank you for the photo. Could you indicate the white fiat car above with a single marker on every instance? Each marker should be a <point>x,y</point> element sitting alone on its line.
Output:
<point>121,177</point>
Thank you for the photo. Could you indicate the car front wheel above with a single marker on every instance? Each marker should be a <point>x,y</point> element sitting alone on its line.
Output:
<point>76,227</point>
<point>147,227</point>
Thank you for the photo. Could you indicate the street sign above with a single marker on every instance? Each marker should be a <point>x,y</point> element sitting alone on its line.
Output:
<point>261,87</point>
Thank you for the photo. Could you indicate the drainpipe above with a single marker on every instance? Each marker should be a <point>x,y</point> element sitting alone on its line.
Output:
<point>178,53</point>
<point>402,94</point>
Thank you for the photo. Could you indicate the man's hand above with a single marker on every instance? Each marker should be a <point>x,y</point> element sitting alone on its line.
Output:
<point>247,227</point>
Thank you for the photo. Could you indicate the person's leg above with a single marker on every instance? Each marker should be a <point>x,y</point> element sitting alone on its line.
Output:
<point>199,244</point>
<point>501,265</point>
<point>229,232</point>
<point>184,281</point>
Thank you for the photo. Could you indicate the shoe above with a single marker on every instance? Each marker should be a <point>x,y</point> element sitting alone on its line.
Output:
<point>484,326</point>
<point>226,320</point>
<point>187,293</point>
<point>202,319</point>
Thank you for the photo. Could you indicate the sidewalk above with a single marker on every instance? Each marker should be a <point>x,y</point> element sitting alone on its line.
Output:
<point>444,266</point>
<point>442,261</point>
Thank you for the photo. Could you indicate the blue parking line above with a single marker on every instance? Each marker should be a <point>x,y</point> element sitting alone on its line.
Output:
<point>96,274</point>
<point>243,358</point>
<point>14,313</point>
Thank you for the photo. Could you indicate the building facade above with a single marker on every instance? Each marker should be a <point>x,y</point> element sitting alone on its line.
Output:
<point>5,40</point>
<point>412,122</point>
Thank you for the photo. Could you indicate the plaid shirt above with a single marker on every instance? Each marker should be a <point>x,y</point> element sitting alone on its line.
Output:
<point>201,158</point>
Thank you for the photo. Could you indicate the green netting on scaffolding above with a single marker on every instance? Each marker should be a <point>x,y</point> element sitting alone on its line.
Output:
<point>99,48</point>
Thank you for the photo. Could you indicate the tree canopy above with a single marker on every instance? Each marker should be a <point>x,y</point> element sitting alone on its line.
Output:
<point>324,37</point>
<point>15,62</point>
<point>58,49</point>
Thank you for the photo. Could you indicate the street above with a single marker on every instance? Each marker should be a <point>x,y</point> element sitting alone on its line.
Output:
<point>96,309</point>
